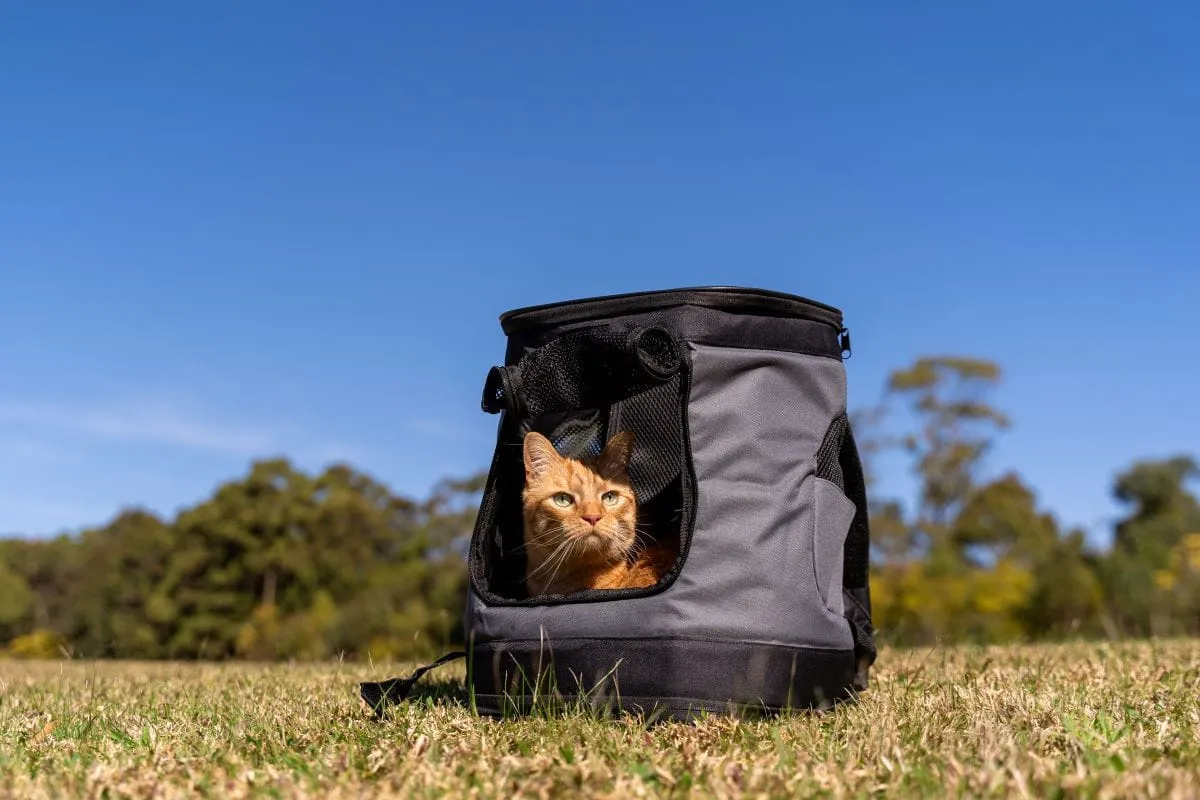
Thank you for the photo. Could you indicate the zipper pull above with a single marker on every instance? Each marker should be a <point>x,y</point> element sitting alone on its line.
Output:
<point>844,341</point>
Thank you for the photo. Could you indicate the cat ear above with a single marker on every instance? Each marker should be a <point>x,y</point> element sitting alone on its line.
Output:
<point>615,459</point>
<point>540,455</point>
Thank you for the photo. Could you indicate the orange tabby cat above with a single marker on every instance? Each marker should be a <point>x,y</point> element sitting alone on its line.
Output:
<point>581,521</point>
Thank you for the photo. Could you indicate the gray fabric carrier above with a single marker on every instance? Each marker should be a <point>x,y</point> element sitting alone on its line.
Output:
<point>743,458</point>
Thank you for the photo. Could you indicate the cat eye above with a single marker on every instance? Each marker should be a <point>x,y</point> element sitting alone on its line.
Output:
<point>610,498</point>
<point>562,499</point>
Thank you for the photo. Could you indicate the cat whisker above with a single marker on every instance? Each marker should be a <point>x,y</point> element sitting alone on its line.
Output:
<point>544,537</point>
<point>560,553</point>
<point>566,550</point>
<point>557,568</point>
<point>562,546</point>
<point>525,547</point>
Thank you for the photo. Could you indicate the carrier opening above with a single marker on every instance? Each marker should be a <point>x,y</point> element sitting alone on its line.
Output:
<point>611,404</point>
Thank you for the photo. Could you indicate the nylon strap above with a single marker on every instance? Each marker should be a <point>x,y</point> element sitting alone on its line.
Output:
<point>396,690</point>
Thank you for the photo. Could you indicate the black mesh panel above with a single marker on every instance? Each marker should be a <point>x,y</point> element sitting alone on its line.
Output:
<point>829,457</point>
<point>653,416</point>
<point>579,390</point>
<point>592,368</point>
<point>856,589</point>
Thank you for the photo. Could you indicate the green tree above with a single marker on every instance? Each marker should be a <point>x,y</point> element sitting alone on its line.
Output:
<point>954,428</point>
<point>1000,523</point>
<point>1161,511</point>
<point>109,599</point>
<point>975,560</point>
<point>929,586</point>
<point>49,569</point>
<point>247,547</point>
<point>16,602</point>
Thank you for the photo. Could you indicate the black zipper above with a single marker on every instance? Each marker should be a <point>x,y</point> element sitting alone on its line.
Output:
<point>718,297</point>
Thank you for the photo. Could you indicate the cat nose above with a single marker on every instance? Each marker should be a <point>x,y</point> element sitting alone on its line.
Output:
<point>590,519</point>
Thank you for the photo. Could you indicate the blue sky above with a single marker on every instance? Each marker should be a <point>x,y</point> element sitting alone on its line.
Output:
<point>230,230</point>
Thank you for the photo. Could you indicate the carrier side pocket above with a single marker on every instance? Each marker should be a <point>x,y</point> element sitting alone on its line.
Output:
<point>833,514</point>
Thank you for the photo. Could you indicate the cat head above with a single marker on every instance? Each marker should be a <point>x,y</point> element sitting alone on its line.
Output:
<point>584,510</point>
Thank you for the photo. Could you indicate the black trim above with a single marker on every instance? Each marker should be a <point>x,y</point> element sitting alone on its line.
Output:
<point>676,676</point>
<point>701,326</point>
<point>727,298</point>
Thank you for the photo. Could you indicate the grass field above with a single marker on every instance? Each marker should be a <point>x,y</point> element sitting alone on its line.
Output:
<point>1105,720</point>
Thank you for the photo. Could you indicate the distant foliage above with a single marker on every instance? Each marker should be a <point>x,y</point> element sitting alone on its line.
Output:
<point>285,565</point>
<point>39,644</point>
<point>977,560</point>
<point>277,565</point>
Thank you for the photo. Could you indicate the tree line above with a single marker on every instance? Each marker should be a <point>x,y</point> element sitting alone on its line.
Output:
<point>280,564</point>
<point>974,559</point>
<point>276,565</point>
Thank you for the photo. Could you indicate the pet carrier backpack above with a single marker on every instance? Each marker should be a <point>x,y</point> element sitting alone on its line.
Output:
<point>743,460</point>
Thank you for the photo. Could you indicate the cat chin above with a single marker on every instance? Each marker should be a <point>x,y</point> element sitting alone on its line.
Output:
<point>601,544</point>
<point>593,542</point>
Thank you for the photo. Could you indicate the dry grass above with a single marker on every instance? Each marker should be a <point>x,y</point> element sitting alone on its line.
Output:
<point>1077,720</point>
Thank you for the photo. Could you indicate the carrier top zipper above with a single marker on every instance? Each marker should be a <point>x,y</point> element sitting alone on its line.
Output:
<point>726,298</point>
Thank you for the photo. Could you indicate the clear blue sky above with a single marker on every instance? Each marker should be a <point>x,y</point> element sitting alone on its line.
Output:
<point>229,230</point>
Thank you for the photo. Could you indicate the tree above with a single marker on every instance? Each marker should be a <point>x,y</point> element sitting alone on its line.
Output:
<point>930,585</point>
<point>954,430</point>
<point>48,568</point>
<point>16,601</point>
<point>1000,524</point>
<point>244,548</point>
<point>1179,585</point>
<point>125,561</point>
<point>976,560</point>
<point>1161,513</point>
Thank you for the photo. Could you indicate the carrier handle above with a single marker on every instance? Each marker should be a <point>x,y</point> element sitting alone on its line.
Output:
<point>535,384</point>
<point>501,391</point>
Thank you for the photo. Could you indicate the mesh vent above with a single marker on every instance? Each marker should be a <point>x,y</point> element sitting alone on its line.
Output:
<point>592,368</point>
<point>653,417</point>
<point>578,436</point>
<point>829,457</point>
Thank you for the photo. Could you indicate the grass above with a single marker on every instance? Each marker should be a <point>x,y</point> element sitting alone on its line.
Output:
<point>1106,720</point>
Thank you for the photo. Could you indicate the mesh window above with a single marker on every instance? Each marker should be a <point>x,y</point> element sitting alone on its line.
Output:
<point>579,390</point>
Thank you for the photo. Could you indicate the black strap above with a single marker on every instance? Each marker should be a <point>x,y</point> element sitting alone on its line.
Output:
<point>396,690</point>
<point>856,586</point>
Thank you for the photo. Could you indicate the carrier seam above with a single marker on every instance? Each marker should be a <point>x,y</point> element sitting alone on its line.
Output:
<point>757,349</point>
<point>668,702</point>
<point>709,639</point>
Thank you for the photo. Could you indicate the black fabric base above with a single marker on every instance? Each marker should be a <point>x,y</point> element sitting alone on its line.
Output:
<point>670,678</point>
